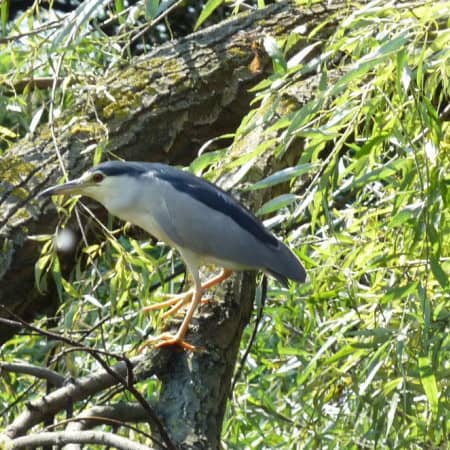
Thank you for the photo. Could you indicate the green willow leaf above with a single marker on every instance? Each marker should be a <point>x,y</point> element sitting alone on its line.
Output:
<point>438,272</point>
<point>428,380</point>
<point>208,9</point>
<point>151,8</point>
<point>277,203</point>
<point>284,175</point>
<point>76,19</point>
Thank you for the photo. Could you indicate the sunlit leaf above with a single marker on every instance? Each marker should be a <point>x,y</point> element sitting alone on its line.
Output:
<point>75,20</point>
<point>4,15</point>
<point>428,380</point>
<point>440,275</point>
<point>407,214</point>
<point>277,203</point>
<point>6,132</point>
<point>208,9</point>
<point>397,293</point>
<point>40,272</point>
<point>283,176</point>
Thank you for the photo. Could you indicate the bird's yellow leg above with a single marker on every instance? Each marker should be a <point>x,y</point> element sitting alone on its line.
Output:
<point>176,298</point>
<point>179,300</point>
<point>224,274</point>
<point>166,339</point>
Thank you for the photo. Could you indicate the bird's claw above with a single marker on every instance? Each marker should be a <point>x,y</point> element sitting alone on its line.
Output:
<point>172,300</point>
<point>167,339</point>
<point>177,297</point>
<point>176,302</point>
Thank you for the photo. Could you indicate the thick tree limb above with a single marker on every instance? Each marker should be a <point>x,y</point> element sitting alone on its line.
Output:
<point>119,414</point>
<point>131,412</point>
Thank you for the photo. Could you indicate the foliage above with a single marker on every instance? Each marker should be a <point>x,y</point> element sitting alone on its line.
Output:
<point>358,356</point>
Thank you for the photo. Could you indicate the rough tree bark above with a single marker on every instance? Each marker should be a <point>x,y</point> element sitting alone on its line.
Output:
<point>161,107</point>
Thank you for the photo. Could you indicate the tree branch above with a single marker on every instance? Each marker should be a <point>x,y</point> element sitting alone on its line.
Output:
<point>51,376</point>
<point>81,437</point>
<point>51,403</point>
<point>111,415</point>
<point>63,397</point>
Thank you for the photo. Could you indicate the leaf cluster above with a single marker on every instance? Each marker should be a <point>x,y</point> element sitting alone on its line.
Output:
<point>358,357</point>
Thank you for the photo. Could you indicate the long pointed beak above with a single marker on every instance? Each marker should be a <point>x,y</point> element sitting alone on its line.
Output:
<point>70,188</point>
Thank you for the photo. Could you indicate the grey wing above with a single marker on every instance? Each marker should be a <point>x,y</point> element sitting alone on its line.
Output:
<point>191,224</point>
<point>199,216</point>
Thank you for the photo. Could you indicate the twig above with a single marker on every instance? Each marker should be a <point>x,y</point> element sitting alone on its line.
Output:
<point>34,83</point>
<point>112,414</point>
<point>18,399</point>
<point>20,36</point>
<point>19,323</point>
<point>147,27</point>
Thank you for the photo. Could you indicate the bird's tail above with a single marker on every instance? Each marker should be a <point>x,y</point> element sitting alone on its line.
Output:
<point>285,265</point>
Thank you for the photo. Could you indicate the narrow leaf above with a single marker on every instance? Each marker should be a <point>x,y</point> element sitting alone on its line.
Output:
<point>151,9</point>
<point>438,272</point>
<point>391,413</point>
<point>76,19</point>
<point>400,292</point>
<point>36,119</point>
<point>277,203</point>
<point>40,273</point>
<point>5,15</point>
<point>429,384</point>
<point>6,132</point>
<point>209,8</point>
<point>406,214</point>
<point>283,176</point>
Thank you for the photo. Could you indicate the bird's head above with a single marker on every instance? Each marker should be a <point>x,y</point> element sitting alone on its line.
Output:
<point>112,183</point>
<point>93,183</point>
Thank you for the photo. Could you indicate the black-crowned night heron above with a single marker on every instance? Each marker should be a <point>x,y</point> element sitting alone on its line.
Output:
<point>204,223</point>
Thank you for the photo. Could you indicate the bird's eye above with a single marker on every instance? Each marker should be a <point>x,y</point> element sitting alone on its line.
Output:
<point>98,177</point>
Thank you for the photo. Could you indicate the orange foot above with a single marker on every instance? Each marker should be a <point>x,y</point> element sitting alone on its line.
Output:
<point>167,339</point>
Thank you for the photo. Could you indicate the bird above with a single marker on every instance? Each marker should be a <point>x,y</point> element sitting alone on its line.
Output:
<point>204,223</point>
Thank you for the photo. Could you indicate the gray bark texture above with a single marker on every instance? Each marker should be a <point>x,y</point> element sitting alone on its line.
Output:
<point>162,107</point>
